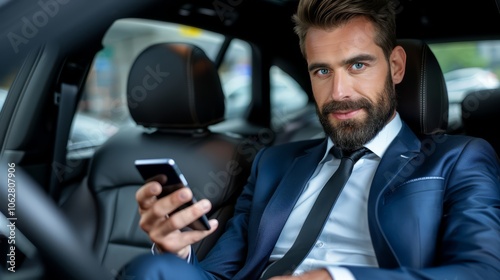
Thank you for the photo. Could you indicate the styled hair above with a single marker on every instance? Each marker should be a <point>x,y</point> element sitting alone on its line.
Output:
<point>328,14</point>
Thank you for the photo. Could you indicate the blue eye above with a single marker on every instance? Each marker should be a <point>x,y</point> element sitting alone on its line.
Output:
<point>357,66</point>
<point>323,71</point>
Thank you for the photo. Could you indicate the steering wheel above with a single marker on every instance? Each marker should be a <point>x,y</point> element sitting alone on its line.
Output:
<point>32,212</point>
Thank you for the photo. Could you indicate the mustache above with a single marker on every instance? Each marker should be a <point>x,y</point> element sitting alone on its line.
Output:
<point>348,105</point>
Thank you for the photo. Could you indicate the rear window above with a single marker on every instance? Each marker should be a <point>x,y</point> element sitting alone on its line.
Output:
<point>467,66</point>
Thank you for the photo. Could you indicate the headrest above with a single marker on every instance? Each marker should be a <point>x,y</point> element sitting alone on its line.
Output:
<point>422,95</point>
<point>174,85</point>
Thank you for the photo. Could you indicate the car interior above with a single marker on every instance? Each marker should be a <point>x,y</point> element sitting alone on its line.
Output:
<point>216,165</point>
<point>91,86</point>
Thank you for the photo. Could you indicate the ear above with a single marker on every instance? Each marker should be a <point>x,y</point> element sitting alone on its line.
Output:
<point>398,64</point>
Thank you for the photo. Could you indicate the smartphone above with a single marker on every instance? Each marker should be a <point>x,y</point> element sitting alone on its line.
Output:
<point>150,169</point>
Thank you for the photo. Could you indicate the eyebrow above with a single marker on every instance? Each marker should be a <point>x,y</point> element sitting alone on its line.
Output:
<point>348,61</point>
<point>361,57</point>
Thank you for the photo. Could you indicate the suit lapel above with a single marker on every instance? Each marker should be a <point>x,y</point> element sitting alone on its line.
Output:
<point>390,172</point>
<point>280,206</point>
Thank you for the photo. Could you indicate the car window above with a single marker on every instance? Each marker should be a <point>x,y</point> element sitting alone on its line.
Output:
<point>5,83</point>
<point>235,75</point>
<point>467,66</point>
<point>3,96</point>
<point>287,96</point>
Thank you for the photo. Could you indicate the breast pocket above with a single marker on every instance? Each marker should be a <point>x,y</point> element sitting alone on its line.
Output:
<point>410,215</point>
<point>416,189</point>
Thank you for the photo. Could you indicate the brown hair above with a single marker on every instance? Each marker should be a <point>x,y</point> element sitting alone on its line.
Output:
<point>327,14</point>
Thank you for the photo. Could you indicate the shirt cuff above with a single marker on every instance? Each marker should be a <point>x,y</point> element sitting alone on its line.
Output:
<point>338,273</point>
<point>157,251</point>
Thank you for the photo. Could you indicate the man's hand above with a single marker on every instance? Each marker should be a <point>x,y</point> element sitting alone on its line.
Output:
<point>165,229</point>
<point>320,274</point>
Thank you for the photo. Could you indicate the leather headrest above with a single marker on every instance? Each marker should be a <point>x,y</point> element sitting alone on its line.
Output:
<point>422,95</point>
<point>174,85</point>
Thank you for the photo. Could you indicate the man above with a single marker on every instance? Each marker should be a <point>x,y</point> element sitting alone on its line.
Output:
<point>441,220</point>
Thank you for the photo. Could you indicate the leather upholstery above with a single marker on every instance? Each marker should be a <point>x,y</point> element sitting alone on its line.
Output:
<point>422,95</point>
<point>480,112</point>
<point>171,86</point>
<point>173,117</point>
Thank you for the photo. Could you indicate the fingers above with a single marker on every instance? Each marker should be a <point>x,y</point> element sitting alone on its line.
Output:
<point>177,240</point>
<point>166,232</point>
<point>153,211</point>
<point>188,215</point>
<point>146,195</point>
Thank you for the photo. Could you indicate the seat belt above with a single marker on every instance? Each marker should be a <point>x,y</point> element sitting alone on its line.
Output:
<point>66,101</point>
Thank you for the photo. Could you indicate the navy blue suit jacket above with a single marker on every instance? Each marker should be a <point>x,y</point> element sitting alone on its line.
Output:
<point>434,210</point>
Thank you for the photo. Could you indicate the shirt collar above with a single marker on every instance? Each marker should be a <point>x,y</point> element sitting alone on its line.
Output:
<point>379,144</point>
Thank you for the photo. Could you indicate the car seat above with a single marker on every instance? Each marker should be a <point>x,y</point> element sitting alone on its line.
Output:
<point>174,94</point>
<point>422,95</point>
<point>480,111</point>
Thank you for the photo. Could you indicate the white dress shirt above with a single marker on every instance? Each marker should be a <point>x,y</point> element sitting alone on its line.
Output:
<point>345,239</point>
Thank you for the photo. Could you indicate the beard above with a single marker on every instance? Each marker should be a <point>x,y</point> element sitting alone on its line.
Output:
<point>352,134</point>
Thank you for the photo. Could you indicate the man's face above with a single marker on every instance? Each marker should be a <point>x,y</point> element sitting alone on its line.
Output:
<point>352,133</point>
<point>352,81</point>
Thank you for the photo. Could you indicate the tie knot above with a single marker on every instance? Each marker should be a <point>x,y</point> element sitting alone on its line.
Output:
<point>354,155</point>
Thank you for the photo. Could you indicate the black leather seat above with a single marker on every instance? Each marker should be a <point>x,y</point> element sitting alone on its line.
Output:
<point>422,95</point>
<point>174,94</point>
<point>480,112</point>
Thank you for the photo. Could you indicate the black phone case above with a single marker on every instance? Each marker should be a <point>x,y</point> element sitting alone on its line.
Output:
<point>151,168</point>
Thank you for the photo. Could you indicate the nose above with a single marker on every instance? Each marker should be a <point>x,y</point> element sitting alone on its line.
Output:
<point>340,86</point>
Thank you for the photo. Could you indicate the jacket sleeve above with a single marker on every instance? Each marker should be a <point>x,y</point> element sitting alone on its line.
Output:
<point>228,255</point>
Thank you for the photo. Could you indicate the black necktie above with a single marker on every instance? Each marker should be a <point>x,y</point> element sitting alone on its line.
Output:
<point>318,216</point>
